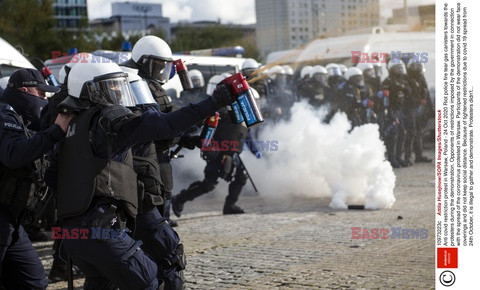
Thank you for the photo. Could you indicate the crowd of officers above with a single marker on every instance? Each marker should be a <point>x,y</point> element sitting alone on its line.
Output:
<point>399,103</point>
<point>101,147</point>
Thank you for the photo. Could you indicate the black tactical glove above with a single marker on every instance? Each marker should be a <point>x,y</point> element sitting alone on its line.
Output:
<point>222,96</point>
<point>190,142</point>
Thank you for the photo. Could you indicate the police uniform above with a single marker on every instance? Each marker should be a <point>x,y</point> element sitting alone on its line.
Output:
<point>21,169</point>
<point>350,99</point>
<point>97,148</point>
<point>422,109</point>
<point>396,89</point>
<point>221,164</point>
<point>159,239</point>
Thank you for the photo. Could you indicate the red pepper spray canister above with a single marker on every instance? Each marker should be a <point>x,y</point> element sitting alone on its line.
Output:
<point>182,72</point>
<point>208,130</point>
<point>245,99</point>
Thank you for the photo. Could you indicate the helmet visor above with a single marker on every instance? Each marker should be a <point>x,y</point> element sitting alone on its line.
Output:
<point>335,71</point>
<point>142,93</point>
<point>369,73</point>
<point>116,91</point>
<point>357,80</point>
<point>160,69</point>
<point>417,67</point>
<point>399,69</point>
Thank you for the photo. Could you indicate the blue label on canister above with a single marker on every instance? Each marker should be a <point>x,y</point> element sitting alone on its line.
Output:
<point>208,136</point>
<point>237,113</point>
<point>247,111</point>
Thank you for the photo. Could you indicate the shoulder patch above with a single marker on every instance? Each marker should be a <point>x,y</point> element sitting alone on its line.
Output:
<point>11,126</point>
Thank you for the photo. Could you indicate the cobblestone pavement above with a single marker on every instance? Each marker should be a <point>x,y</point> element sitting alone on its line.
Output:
<point>302,244</point>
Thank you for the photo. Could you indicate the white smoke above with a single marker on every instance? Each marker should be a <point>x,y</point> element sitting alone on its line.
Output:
<point>313,159</point>
<point>324,160</point>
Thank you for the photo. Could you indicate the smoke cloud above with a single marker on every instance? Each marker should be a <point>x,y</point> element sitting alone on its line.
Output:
<point>314,160</point>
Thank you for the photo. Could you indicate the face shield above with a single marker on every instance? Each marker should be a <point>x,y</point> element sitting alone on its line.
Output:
<point>114,89</point>
<point>197,82</point>
<point>369,73</point>
<point>357,80</point>
<point>248,71</point>
<point>334,71</point>
<point>158,69</point>
<point>398,70</point>
<point>417,67</point>
<point>141,92</point>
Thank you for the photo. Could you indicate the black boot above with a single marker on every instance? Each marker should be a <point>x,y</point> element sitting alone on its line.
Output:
<point>234,190</point>
<point>193,191</point>
<point>232,209</point>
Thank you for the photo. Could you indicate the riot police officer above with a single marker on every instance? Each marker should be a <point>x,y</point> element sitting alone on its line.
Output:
<point>353,99</point>
<point>397,91</point>
<point>421,113</point>
<point>97,185</point>
<point>159,239</point>
<point>152,58</point>
<point>221,164</point>
<point>22,167</point>
<point>197,93</point>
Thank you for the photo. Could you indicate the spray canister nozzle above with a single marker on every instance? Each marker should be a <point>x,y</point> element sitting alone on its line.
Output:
<point>182,72</point>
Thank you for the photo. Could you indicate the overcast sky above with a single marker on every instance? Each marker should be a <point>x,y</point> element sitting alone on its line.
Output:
<point>228,11</point>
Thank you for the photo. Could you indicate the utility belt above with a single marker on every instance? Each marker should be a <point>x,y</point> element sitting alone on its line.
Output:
<point>105,216</point>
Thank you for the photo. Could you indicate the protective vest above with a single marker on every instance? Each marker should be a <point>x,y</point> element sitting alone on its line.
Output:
<point>81,175</point>
<point>151,190</point>
<point>160,96</point>
<point>20,188</point>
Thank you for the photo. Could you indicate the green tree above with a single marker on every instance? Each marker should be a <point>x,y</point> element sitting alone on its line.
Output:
<point>216,35</point>
<point>29,24</point>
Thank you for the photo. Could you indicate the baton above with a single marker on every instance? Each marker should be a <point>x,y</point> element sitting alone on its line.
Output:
<point>248,174</point>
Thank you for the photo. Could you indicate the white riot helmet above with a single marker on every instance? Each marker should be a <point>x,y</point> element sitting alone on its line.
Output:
<point>333,69</point>
<point>275,70</point>
<point>306,72</point>
<point>154,56</point>
<point>343,69</point>
<point>197,78</point>
<point>319,69</point>
<point>287,70</point>
<point>213,81</point>
<point>416,67</point>
<point>396,67</point>
<point>65,70</point>
<point>141,91</point>
<point>102,81</point>
<point>367,69</point>
<point>249,66</point>
<point>355,76</point>
<point>320,74</point>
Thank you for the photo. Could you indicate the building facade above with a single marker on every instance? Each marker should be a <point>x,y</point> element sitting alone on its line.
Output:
<point>288,24</point>
<point>70,13</point>
<point>130,18</point>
